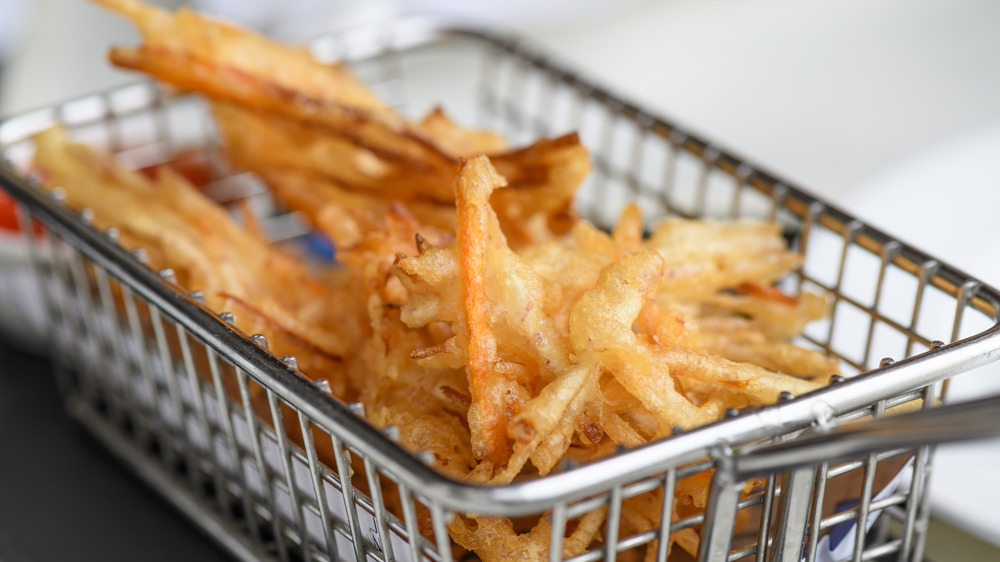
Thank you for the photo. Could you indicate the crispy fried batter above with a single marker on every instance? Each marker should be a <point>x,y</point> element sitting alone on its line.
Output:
<point>473,309</point>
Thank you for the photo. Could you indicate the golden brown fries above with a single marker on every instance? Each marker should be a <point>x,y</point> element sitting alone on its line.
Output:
<point>228,63</point>
<point>309,168</point>
<point>322,126</point>
<point>472,308</point>
<point>182,229</point>
<point>496,539</point>
<point>540,380</point>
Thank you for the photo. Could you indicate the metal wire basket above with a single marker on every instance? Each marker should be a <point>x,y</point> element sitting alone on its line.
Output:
<point>166,384</point>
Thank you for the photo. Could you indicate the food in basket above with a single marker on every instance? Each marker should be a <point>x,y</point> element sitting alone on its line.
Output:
<point>327,132</point>
<point>472,308</point>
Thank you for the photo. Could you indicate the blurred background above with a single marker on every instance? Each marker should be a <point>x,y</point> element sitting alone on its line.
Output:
<point>888,109</point>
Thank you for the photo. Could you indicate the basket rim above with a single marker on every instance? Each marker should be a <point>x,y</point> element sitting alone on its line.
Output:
<point>576,483</point>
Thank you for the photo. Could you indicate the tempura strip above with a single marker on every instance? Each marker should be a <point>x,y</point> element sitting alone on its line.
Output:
<point>486,414</point>
<point>543,414</point>
<point>763,385</point>
<point>225,62</point>
<point>601,323</point>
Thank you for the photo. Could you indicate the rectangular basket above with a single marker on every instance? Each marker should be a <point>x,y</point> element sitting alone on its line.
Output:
<point>166,384</point>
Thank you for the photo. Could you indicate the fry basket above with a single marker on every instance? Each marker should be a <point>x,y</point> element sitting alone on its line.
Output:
<point>167,385</point>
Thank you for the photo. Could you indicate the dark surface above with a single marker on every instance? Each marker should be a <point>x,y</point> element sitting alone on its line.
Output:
<point>63,497</point>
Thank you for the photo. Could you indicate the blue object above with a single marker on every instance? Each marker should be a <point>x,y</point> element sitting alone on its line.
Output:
<point>321,246</point>
<point>840,530</point>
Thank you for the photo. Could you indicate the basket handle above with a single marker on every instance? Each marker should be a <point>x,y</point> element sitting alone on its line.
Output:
<point>978,419</point>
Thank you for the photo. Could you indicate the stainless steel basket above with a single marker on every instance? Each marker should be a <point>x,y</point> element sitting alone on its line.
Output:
<point>153,374</point>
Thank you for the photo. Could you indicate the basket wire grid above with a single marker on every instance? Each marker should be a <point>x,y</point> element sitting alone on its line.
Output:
<point>253,452</point>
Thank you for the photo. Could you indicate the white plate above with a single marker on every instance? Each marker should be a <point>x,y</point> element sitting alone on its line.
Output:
<point>944,200</point>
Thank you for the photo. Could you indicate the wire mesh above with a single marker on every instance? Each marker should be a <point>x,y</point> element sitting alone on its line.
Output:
<point>275,468</point>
